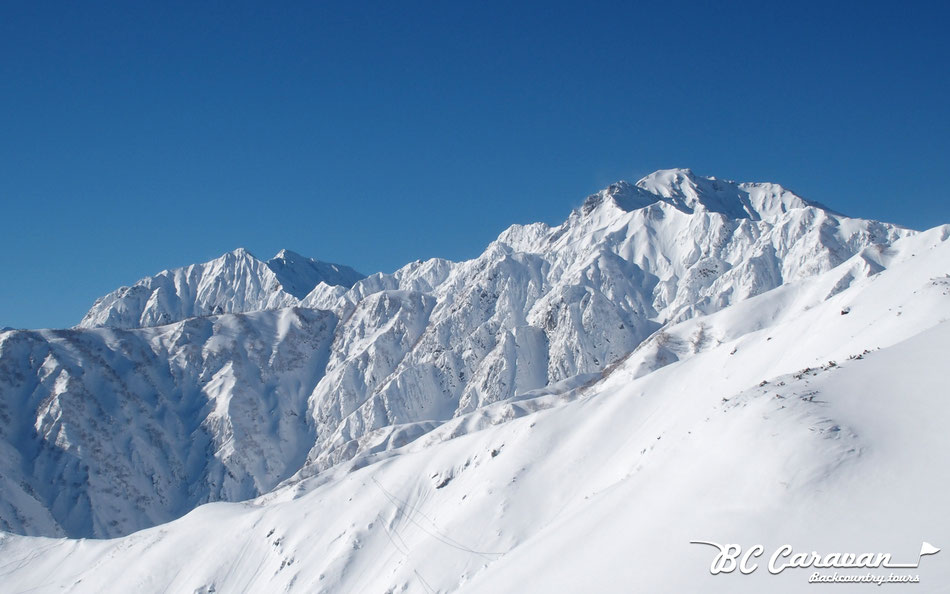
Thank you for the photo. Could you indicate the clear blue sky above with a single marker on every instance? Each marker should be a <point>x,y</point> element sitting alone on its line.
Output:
<point>141,136</point>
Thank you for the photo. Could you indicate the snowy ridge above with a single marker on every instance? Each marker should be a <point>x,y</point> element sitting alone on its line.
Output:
<point>781,419</point>
<point>365,370</point>
<point>236,282</point>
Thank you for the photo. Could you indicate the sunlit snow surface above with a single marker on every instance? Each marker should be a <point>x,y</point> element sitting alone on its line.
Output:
<point>812,412</point>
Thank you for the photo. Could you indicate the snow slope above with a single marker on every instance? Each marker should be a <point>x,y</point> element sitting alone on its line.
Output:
<point>812,414</point>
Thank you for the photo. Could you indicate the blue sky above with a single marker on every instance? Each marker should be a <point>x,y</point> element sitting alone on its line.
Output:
<point>141,136</point>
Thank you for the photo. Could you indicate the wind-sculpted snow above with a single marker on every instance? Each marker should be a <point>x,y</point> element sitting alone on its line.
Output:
<point>134,427</point>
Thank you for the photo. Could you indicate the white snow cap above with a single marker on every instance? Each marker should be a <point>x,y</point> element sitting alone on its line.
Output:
<point>688,192</point>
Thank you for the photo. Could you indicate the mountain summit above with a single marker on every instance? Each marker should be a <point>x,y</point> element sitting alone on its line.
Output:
<point>299,275</point>
<point>688,192</point>
<point>233,283</point>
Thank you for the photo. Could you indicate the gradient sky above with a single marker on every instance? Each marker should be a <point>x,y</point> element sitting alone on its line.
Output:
<point>138,136</point>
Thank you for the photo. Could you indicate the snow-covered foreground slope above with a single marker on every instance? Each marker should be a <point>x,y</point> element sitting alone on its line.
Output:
<point>110,430</point>
<point>813,415</point>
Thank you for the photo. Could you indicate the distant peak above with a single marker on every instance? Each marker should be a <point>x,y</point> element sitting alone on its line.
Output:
<point>298,275</point>
<point>286,254</point>
<point>619,187</point>
<point>682,172</point>
<point>239,253</point>
<point>670,182</point>
<point>682,189</point>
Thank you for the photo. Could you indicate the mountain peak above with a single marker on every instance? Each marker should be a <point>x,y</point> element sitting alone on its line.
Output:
<point>239,253</point>
<point>666,182</point>
<point>298,275</point>
<point>689,193</point>
<point>621,194</point>
<point>234,282</point>
<point>286,254</point>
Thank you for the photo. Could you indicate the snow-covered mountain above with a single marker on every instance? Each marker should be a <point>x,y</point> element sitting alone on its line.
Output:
<point>455,426</point>
<point>237,282</point>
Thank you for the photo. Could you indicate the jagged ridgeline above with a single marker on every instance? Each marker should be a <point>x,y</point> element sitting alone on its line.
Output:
<point>220,380</point>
